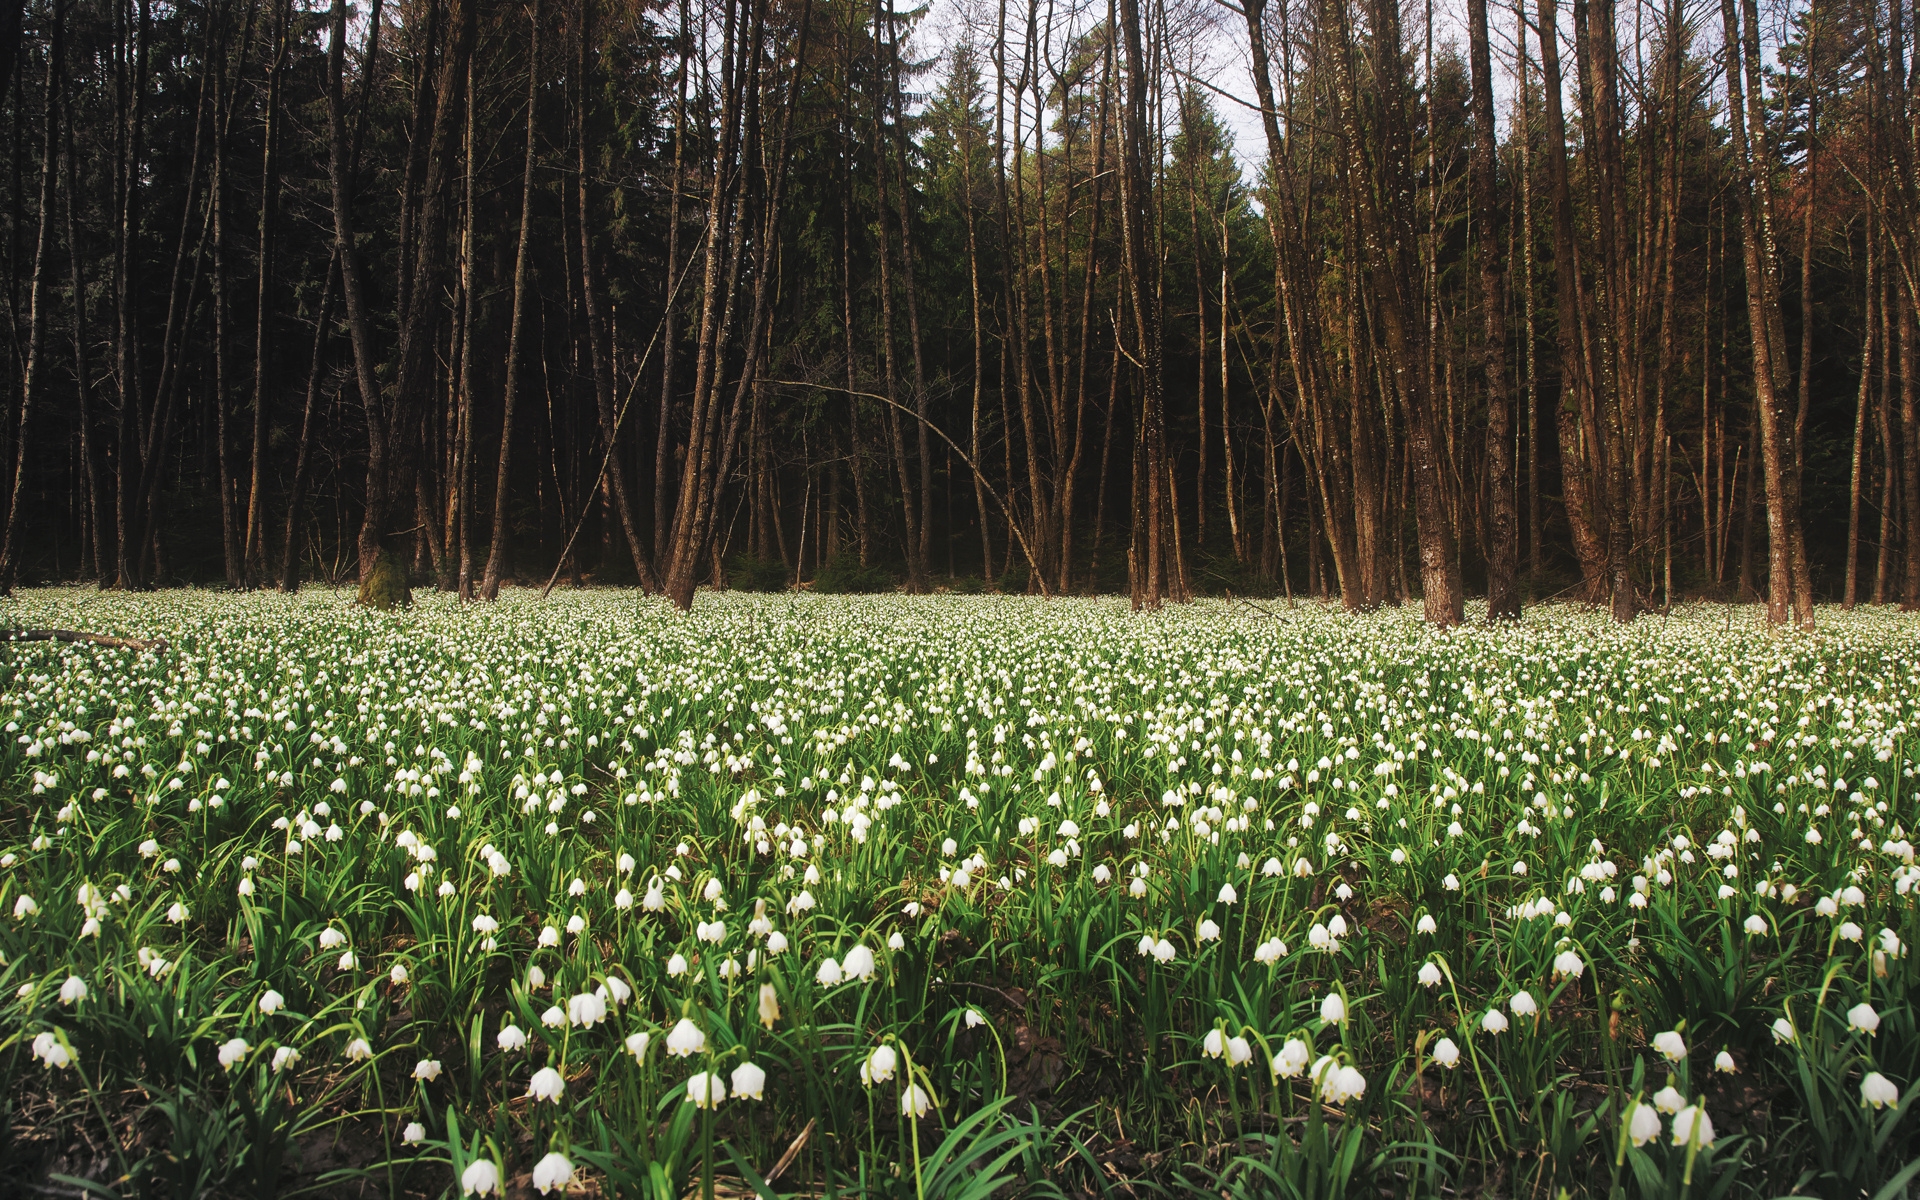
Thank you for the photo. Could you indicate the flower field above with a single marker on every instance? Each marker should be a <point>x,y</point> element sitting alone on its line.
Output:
<point>955,897</point>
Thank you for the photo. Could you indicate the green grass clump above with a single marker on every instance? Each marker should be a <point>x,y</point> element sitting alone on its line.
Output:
<point>954,897</point>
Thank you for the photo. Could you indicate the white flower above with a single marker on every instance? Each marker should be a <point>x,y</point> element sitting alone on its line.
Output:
<point>879,1066</point>
<point>1446,1053</point>
<point>481,1178</point>
<point>1228,895</point>
<point>1862,1018</point>
<point>776,943</point>
<point>1494,1021</point>
<point>332,939</point>
<point>1684,1122</point>
<point>232,1052</point>
<point>1291,1060</point>
<point>398,975</point>
<point>1523,1004</point>
<point>75,988</point>
<point>1876,1089</point>
<point>554,1018</point>
<point>1567,963</point>
<point>552,1173</point>
<point>511,1038</point>
<point>1429,974</point>
<point>427,1069</point>
<point>1239,1051</point>
<point>413,1134</point>
<point>24,907</point>
<point>1783,1031</point>
<point>676,966</point>
<point>49,1049</point>
<point>1333,1009</point>
<point>284,1057</point>
<point>549,936</point>
<point>1163,951</point>
<point>1214,1044</point>
<point>546,1085</point>
<point>359,1050</point>
<point>705,1090</point>
<point>859,963</point>
<point>637,1045</point>
<point>914,1102</point>
<point>586,1010</point>
<point>1669,1100</point>
<point>1723,1062</point>
<point>973,1019</point>
<point>1426,924</point>
<point>1207,931</point>
<point>685,1040</point>
<point>749,1081</point>
<point>769,1007</point>
<point>1755,925</point>
<point>1670,1045</point>
<point>272,1002</point>
<point>829,973</point>
<point>1644,1125</point>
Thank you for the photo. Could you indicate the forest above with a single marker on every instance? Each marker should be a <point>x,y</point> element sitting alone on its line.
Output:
<point>1613,303</point>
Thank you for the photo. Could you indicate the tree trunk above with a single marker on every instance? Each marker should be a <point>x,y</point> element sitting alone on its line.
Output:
<point>1503,533</point>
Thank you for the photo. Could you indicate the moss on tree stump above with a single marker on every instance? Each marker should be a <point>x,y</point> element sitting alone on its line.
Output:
<point>385,587</point>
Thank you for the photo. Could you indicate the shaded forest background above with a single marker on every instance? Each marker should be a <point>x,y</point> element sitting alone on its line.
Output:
<point>743,292</point>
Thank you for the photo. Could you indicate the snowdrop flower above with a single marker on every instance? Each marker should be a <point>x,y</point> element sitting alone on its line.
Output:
<point>829,974</point>
<point>1684,1127</point>
<point>1333,1009</point>
<point>1863,1019</point>
<point>1446,1053</point>
<point>510,1038</point>
<point>74,989</point>
<point>1494,1021</point>
<point>749,1081</point>
<point>1755,925</point>
<point>1228,895</point>
<point>1723,1063</point>
<point>769,1007</point>
<point>1523,1004</point>
<point>586,1010</point>
<point>360,1050</point>
<point>914,1102</point>
<point>859,964</point>
<point>973,1019</point>
<point>481,1178</point>
<point>414,1134</point>
<point>331,939</point>
<point>676,966</point>
<point>1207,931</point>
<point>880,1065</point>
<point>552,1173</point>
<point>232,1051</point>
<point>546,1085</point>
<point>427,1070</point>
<point>554,1018</point>
<point>1163,951</point>
<point>398,975</point>
<point>1879,1091</point>
<point>1239,1051</point>
<point>1670,1045</point>
<point>1429,974</point>
<point>685,1040</point>
<point>1214,1044</point>
<point>1644,1125</point>
<point>1669,1100</point>
<point>1568,964</point>
<point>1426,924</point>
<point>24,907</point>
<point>272,1002</point>
<point>636,1044</point>
<point>705,1090</point>
<point>1269,952</point>
<point>1849,932</point>
<point>1291,1060</point>
<point>776,943</point>
<point>549,936</point>
<point>1783,1031</point>
<point>48,1048</point>
<point>284,1057</point>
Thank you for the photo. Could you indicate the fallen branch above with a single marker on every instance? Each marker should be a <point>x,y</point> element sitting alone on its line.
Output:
<point>80,635</point>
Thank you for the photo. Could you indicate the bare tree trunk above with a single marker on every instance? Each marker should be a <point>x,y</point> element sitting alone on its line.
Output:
<point>1151,566</point>
<point>94,508</point>
<point>37,318</point>
<point>1503,533</point>
<point>254,546</point>
<point>497,550</point>
<point>1861,403</point>
<point>669,335</point>
<point>597,337</point>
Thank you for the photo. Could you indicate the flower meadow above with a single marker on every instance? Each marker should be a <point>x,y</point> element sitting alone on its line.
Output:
<point>950,897</point>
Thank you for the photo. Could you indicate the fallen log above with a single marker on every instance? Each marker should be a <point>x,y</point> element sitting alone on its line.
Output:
<point>81,635</point>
